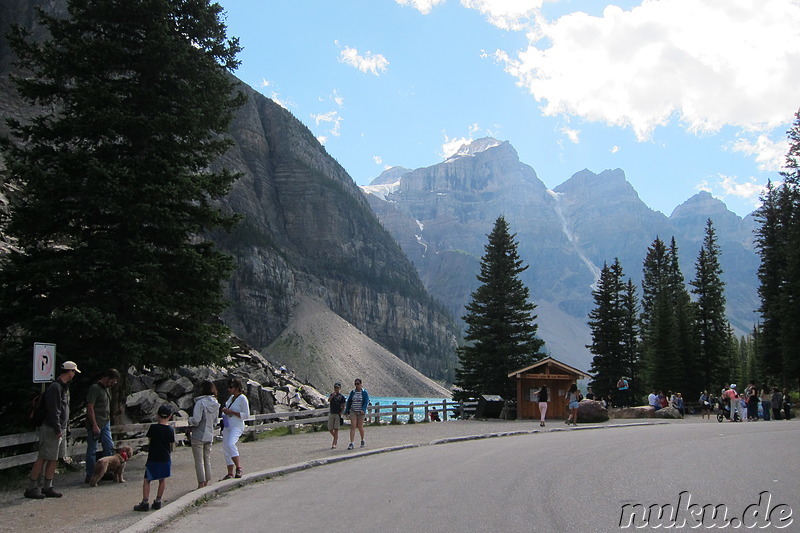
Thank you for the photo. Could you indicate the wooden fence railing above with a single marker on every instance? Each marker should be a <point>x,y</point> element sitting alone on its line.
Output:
<point>133,435</point>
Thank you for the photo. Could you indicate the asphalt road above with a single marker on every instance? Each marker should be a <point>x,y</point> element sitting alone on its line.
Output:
<point>556,482</point>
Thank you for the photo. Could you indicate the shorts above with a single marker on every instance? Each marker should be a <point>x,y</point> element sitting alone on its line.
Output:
<point>356,416</point>
<point>334,421</point>
<point>573,405</point>
<point>51,447</point>
<point>153,471</point>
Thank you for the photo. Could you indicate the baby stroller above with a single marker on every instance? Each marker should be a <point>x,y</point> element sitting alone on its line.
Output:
<point>724,412</point>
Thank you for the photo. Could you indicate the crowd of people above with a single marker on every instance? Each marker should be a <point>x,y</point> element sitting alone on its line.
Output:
<point>753,403</point>
<point>208,414</point>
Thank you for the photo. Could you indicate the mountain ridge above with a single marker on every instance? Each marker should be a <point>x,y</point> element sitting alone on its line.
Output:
<point>565,235</point>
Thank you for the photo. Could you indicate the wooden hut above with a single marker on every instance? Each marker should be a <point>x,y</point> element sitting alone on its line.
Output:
<point>556,376</point>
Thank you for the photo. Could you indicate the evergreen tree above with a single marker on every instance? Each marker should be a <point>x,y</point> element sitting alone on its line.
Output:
<point>771,245</point>
<point>631,340</point>
<point>115,190</point>
<point>501,328</point>
<point>614,326</point>
<point>663,362</point>
<point>778,244</point>
<point>712,325</point>
<point>685,335</point>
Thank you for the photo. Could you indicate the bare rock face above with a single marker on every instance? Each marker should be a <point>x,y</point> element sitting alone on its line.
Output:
<point>440,215</point>
<point>306,230</point>
<point>592,411</point>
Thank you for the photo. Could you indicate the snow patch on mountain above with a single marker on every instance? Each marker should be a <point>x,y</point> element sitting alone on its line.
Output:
<point>383,190</point>
<point>565,228</point>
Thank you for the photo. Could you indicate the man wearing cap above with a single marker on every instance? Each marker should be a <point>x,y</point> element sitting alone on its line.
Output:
<point>52,434</point>
<point>336,401</point>
<point>733,398</point>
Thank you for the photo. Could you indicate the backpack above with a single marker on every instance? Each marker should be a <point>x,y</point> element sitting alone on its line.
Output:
<point>38,410</point>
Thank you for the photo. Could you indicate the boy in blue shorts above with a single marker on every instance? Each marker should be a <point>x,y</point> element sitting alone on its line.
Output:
<point>159,464</point>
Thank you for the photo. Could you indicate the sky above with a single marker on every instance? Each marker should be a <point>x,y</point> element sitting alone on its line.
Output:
<point>682,95</point>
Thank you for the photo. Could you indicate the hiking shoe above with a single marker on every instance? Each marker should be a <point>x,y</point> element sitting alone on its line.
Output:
<point>363,444</point>
<point>156,505</point>
<point>144,506</point>
<point>350,446</point>
<point>51,493</point>
<point>34,494</point>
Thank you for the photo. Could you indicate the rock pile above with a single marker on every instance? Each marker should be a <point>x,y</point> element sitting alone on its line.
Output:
<point>266,386</point>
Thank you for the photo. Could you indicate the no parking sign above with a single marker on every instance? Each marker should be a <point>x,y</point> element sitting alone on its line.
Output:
<point>44,362</point>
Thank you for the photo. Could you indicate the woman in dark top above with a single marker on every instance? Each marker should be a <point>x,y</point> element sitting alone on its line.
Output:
<point>542,404</point>
<point>752,404</point>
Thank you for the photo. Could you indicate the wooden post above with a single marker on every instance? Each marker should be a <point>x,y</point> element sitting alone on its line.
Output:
<point>411,413</point>
<point>394,412</point>
<point>444,410</point>
<point>427,418</point>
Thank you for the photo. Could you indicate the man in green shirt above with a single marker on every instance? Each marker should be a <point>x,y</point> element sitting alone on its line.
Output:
<point>98,419</point>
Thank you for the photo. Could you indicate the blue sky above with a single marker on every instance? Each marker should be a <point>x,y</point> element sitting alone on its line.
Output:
<point>683,95</point>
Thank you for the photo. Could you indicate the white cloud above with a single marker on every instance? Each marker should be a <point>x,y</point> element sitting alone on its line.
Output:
<point>506,14</point>
<point>451,145</point>
<point>572,135</point>
<point>770,155</point>
<point>614,149</point>
<point>748,189</point>
<point>708,63</point>
<point>338,98</point>
<point>265,82</point>
<point>378,159</point>
<point>423,6</point>
<point>322,139</point>
<point>725,186</point>
<point>331,117</point>
<point>368,62</point>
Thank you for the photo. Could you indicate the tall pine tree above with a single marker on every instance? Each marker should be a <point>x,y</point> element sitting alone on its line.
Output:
<point>115,190</point>
<point>666,319</point>
<point>614,327</point>
<point>778,244</point>
<point>501,326</point>
<point>711,322</point>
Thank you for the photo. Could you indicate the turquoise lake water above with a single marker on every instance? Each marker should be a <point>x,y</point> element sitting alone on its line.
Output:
<point>419,407</point>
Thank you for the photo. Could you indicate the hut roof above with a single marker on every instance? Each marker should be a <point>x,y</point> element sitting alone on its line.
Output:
<point>554,362</point>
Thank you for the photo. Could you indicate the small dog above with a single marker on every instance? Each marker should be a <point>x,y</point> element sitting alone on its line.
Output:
<point>113,464</point>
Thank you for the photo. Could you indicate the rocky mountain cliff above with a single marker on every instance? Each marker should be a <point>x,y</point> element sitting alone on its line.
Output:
<point>440,216</point>
<point>306,230</point>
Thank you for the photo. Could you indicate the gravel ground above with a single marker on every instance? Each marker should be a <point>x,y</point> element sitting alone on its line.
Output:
<point>109,507</point>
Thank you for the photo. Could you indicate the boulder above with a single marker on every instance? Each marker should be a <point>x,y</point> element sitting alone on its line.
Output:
<point>668,412</point>
<point>143,404</point>
<point>642,411</point>
<point>175,388</point>
<point>592,411</point>
<point>185,403</point>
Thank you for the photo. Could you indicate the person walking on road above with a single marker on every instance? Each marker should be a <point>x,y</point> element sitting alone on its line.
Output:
<point>159,459</point>
<point>573,397</point>
<point>52,434</point>
<point>98,419</point>
<point>735,402</point>
<point>236,410</point>
<point>542,404</point>
<point>203,420</point>
<point>356,408</point>
<point>337,402</point>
